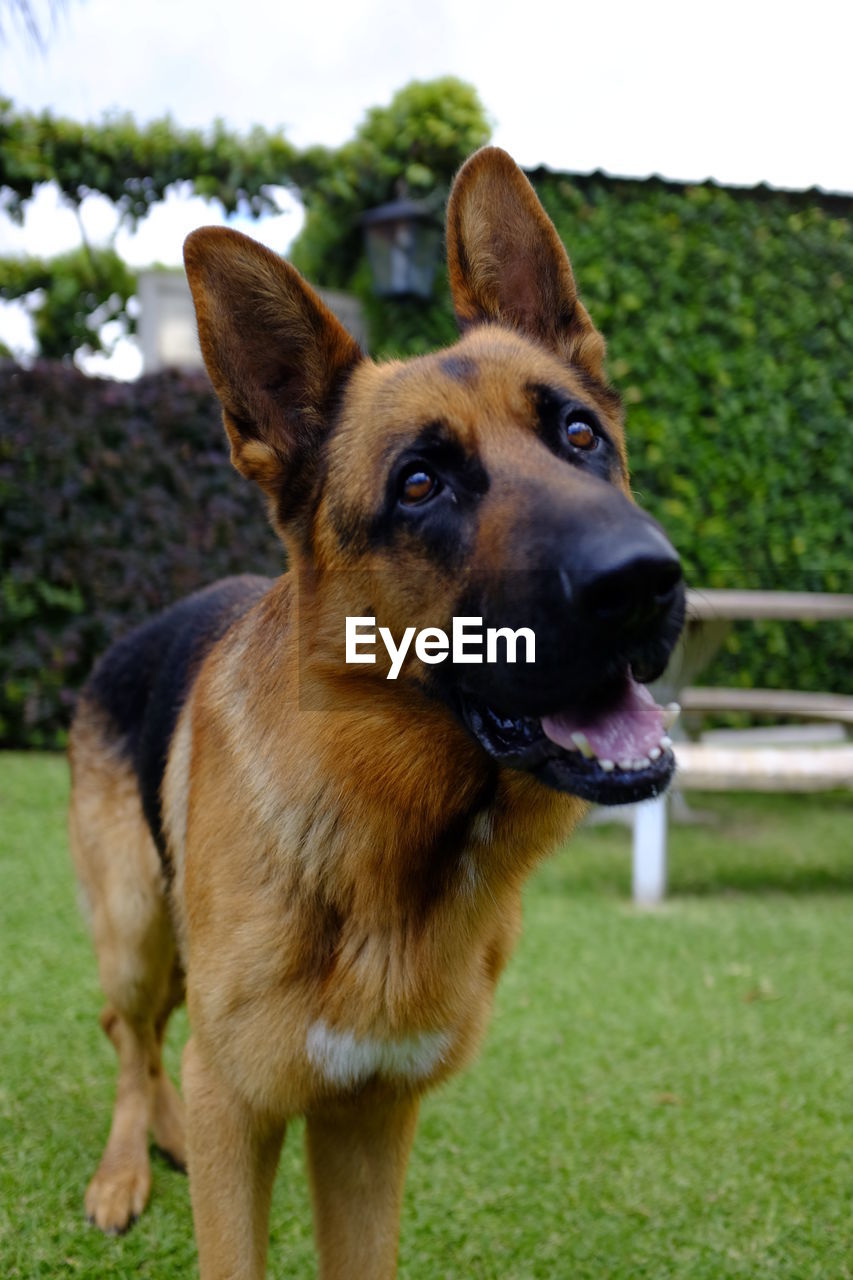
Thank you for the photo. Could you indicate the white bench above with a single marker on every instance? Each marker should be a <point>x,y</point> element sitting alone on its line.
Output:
<point>707,767</point>
<point>716,766</point>
<point>775,702</point>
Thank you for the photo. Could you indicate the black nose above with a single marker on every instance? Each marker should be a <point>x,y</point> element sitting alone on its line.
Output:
<point>628,580</point>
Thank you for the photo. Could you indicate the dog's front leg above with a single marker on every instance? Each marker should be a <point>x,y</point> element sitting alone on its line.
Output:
<point>357,1157</point>
<point>233,1156</point>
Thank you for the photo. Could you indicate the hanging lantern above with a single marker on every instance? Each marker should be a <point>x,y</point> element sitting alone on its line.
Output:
<point>403,243</point>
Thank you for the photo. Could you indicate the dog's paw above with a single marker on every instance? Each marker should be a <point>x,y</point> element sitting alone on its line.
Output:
<point>117,1195</point>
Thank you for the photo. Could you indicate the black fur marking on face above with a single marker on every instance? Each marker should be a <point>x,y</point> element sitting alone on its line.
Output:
<point>446,524</point>
<point>143,681</point>
<point>358,531</point>
<point>352,529</point>
<point>554,409</point>
<point>608,397</point>
<point>460,369</point>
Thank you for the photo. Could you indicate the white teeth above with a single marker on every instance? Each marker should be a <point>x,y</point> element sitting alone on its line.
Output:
<point>581,741</point>
<point>607,765</point>
<point>655,753</point>
<point>671,712</point>
<point>666,742</point>
<point>627,765</point>
<point>643,763</point>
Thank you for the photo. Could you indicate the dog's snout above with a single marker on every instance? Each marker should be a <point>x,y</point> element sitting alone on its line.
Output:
<point>630,582</point>
<point>633,591</point>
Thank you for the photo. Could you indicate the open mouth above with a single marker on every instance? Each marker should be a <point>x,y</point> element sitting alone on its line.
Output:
<point>616,753</point>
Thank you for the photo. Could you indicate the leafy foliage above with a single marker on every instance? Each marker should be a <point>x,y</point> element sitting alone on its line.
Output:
<point>134,166</point>
<point>70,297</point>
<point>73,295</point>
<point>416,143</point>
<point>729,317</point>
<point>117,499</point>
<point>418,140</point>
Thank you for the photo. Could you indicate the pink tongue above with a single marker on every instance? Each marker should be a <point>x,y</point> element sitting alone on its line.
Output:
<point>628,731</point>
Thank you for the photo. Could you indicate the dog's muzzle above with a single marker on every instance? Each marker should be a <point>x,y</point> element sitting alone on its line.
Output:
<point>607,620</point>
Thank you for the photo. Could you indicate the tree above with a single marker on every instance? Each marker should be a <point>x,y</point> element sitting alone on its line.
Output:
<point>416,143</point>
<point>135,166</point>
<point>420,139</point>
<point>72,297</point>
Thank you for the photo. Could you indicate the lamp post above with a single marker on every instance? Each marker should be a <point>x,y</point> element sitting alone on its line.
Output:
<point>403,240</point>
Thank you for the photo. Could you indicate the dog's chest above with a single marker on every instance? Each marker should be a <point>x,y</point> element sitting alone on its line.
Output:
<point>346,1060</point>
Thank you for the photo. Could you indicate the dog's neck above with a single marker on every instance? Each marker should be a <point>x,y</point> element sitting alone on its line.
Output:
<point>433,801</point>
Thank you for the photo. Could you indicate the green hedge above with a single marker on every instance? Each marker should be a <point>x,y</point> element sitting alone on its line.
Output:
<point>116,499</point>
<point>729,320</point>
<point>729,317</point>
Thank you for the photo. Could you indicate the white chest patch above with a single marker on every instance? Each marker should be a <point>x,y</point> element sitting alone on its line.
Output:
<point>346,1059</point>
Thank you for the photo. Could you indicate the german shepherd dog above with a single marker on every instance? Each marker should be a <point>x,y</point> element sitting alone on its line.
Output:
<point>327,861</point>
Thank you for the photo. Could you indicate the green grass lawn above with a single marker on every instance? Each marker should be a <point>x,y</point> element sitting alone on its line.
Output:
<point>662,1094</point>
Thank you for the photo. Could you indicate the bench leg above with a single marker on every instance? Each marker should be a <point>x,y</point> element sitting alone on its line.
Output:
<point>649,862</point>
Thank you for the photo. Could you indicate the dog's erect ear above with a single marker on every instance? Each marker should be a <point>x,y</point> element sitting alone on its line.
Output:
<point>507,264</point>
<point>275,354</point>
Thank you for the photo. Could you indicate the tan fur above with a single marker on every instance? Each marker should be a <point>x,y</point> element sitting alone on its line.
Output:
<point>120,876</point>
<point>336,966</point>
<point>507,262</point>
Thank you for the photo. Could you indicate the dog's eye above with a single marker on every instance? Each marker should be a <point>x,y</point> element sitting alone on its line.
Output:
<point>418,485</point>
<point>580,434</point>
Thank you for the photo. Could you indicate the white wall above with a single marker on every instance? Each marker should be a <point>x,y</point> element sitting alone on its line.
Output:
<point>167,328</point>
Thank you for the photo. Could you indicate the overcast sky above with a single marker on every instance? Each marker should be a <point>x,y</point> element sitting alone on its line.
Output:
<point>742,91</point>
